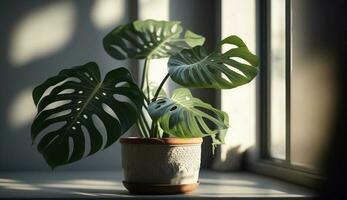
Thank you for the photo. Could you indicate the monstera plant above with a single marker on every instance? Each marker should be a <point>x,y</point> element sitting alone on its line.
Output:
<point>80,113</point>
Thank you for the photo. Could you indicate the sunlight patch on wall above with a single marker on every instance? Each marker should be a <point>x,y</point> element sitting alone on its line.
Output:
<point>154,9</point>
<point>22,110</point>
<point>42,32</point>
<point>158,10</point>
<point>107,13</point>
<point>157,71</point>
<point>238,18</point>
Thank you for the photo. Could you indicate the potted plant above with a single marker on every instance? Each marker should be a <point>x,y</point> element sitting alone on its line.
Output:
<point>79,114</point>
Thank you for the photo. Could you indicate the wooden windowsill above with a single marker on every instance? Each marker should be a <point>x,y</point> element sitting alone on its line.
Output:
<point>96,185</point>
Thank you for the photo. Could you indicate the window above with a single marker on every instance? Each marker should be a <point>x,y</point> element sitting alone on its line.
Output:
<point>296,95</point>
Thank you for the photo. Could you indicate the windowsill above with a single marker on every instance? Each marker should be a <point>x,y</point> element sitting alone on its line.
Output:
<point>271,169</point>
<point>97,185</point>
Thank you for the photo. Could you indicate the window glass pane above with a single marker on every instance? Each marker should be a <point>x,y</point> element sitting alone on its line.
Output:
<point>313,93</point>
<point>277,80</point>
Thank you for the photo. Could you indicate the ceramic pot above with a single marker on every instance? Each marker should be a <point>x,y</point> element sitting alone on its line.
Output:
<point>161,165</point>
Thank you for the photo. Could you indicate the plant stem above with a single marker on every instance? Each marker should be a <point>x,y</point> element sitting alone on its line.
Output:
<point>160,87</point>
<point>142,118</point>
<point>144,78</point>
<point>146,99</point>
<point>145,122</point>
<point>144,72</point>
<point>139,127</point>
<point>154,130</point>
<point>147,80</point>
<point>154,127</point>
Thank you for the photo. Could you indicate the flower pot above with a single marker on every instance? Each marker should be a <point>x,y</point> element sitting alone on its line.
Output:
<point>161,165</point>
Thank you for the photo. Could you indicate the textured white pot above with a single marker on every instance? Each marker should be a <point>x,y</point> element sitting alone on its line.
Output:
<point>167,165</point>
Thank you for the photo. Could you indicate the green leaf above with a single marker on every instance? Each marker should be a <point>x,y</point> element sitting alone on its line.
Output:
<point>78,104</point>
<point>186,116</point>
<point>149,39</point>
<point>196,68</point>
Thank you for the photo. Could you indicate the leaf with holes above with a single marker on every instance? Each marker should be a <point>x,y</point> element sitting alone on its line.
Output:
<point>78,114</point>
<point>149,39</point>
<point>186,116</point>
<point>196,68</point>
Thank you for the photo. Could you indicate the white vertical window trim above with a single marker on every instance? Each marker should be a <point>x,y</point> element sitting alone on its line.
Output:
<point>238,18</point>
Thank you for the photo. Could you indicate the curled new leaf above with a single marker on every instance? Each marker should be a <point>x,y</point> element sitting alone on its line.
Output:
<point>77,106</point>
<point>182,115</point>
<point>149,39</point>
<point>196,68</point>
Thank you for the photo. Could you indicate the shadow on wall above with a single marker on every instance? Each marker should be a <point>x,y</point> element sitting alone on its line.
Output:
<point>39,38</point>
<point>231,160</point>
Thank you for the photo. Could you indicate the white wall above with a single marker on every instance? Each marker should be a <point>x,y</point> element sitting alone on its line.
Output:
<point>40,38</point>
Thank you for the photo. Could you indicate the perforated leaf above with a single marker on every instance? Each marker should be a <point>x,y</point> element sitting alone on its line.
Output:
<point>196,68</point>
<point>82,104</point>
<point>182,115</point>
<point>149,39</point>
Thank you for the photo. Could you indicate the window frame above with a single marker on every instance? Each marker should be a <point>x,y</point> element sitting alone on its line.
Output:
<point>260,161</point>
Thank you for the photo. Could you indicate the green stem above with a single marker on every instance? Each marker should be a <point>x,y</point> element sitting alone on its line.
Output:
<point>146,99</point>
<point>144,77</point>
<point>160,87</point>
<point>142,119</point>
<point>145,122</point>
<point>144,72</point>
<point>154,130</point>
<point>147,79</point>
<point>154,127</point>
<point>139,127</point>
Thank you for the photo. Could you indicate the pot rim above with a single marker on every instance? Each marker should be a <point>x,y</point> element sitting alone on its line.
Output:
<point>160,141</point>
